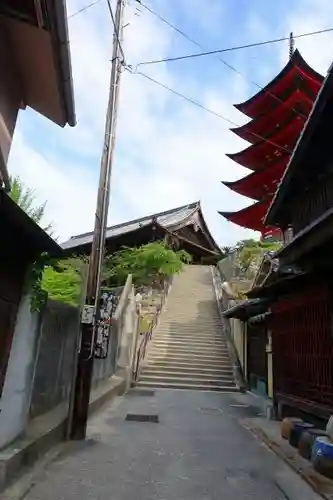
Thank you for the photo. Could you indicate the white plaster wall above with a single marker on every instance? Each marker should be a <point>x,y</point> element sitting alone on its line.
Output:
<point>237,329</point>
<point>15,399</point>
<point>126,335</point>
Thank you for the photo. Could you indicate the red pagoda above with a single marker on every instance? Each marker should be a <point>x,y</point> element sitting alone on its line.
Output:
<point>278,113</point>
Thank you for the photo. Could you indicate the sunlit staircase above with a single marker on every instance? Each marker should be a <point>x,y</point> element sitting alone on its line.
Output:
<point>188,349</point>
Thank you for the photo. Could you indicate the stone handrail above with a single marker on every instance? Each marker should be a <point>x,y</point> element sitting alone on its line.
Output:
<point>222,299</point>
<point>141,347</point>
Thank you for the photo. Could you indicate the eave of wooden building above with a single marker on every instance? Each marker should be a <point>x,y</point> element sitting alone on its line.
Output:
<point>298,103</point>
<point>37,35</point>
<point>313,146</point>
<point>267,151</point>
<point>250,217</point>
<point>260,183</point>
<point>266,97</point>
<point>185,223</point>
<point>247,309</point>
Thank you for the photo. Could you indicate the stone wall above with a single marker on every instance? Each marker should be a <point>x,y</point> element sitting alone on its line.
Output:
<point>43,357</point>
<point>15,398</point>
<point>57,338</point>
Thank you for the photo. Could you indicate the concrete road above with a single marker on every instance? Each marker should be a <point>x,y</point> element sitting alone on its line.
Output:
<point>198,451</point>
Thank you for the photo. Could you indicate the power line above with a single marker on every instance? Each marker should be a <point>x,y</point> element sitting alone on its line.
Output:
<point>185,35</point>
<point>201,106</point>
<point>83,9</point>
<point>234,48</point>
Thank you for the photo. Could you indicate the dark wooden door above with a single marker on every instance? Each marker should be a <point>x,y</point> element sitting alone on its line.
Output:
<point>257,358</point>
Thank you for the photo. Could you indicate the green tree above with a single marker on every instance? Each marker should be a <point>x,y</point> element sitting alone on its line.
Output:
<point>25,198</point>
<point>149,264</point>
<point>62,283</point>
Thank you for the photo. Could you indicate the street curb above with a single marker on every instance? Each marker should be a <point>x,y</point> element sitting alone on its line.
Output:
<point>276,448</point>
<point>19,461</point>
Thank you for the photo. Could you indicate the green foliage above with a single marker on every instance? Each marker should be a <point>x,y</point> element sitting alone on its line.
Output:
<point>33,282</point>
<point>63,282</point>
<point>251,253</point>
<point>25,198</point>
<point>148,264</point>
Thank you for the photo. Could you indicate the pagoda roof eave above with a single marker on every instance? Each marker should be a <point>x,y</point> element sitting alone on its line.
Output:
<point>253,185</point>
<point>296,60</point>
<point>244,157</point>
<point>250,217</point>
<point>285,109</point>
<point>319,115</point>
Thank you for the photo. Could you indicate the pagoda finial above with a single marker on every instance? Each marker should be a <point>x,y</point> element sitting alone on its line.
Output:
<point>291,44</point>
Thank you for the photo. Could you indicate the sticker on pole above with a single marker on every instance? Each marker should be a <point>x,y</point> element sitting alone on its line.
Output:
<point>87,316</point>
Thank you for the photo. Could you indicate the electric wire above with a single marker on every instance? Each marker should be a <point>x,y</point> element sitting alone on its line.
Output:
<point>234,48</point>
<point>203,107</point>
<point>185,35</point>
<point>83,9</point>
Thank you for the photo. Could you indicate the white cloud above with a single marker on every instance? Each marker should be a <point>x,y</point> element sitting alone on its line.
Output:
<point>169,152</point>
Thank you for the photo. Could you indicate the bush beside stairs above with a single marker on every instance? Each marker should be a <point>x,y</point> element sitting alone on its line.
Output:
<point>188,349</point>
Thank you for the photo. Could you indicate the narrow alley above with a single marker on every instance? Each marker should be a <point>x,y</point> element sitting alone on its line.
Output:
<point>198,450</point>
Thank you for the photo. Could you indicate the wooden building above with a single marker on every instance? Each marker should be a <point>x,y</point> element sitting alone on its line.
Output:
<point>36,72</point>
<point>278,113</point>
<point>35,67</point>
<point>182,227</point>
<point>300,320</point>
<point>23,241</point>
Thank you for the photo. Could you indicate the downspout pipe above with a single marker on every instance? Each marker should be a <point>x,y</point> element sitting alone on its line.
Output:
<point>59,32</point>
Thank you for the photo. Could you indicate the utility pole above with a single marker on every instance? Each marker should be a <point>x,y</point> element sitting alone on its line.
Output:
<point>90,312</point>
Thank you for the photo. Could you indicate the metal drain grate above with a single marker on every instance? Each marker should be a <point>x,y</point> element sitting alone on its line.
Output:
<point>142,417</point>
<point>210,410</point>
<point>142,392</point>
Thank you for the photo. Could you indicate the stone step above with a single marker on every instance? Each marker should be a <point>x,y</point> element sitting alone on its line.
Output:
<point>168,374</point>
<point>197,338</point>
<point>178,363</point>
<point>188,327</point>
<point>175,368</point>
<point>183,366</point>
<point>187,380</point>
<point>188,349</point>
<point>196,356</point>
<point>200,341</point>
<point>185,385</point>
<point>187,334</point>
<point>178,339</point>
<point>203,322</point>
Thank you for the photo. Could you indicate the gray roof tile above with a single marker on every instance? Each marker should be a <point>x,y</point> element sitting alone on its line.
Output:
<point>167,219</point>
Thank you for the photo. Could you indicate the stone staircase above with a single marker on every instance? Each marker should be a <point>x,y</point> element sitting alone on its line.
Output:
<point>188,349</point>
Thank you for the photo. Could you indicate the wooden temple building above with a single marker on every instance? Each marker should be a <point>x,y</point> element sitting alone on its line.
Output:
<point>300,320</point>
<point>278,113</point>
<point>288,322</point>
<point>182,228</point>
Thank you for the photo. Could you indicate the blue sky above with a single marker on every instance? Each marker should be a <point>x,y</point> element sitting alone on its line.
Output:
<point>169,152</point>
